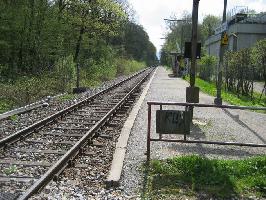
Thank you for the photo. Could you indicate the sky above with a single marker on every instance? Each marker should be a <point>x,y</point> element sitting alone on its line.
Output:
<point>150,13</point>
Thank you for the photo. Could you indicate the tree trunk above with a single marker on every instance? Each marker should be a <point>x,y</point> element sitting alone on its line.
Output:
<point>81,32</point>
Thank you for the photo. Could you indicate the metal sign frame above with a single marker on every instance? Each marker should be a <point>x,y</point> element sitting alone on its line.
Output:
<point>187,107</point>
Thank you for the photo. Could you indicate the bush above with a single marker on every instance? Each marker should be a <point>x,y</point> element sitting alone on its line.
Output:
<point>207,67</point>
<point>27,90</point>
<point>126,67</point>
<point>65,73</point>
<point>239,75</point>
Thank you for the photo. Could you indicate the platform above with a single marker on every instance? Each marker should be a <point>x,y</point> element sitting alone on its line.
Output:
<point>208,124</point>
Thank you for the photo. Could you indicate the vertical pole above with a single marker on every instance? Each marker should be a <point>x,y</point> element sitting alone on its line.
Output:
<point>182,35</point>
<point>160,135</point>
<point>194,41</point>
<point>218,100</point>
<point>149,134</point>
<point>187,108</point>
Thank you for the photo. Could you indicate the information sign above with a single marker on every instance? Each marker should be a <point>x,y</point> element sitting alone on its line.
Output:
<point>172,122</point>
<point>224,39</point>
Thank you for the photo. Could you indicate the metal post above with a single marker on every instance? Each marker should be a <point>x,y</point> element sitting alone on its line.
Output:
<point>160,135</point>
<point>149,134</point>
<point>218,100</point>
<point>182,35</point>
<point>194,41</point>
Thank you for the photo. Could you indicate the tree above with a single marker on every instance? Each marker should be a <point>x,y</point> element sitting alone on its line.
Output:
<point>210,22</point>
<point>259,58</point>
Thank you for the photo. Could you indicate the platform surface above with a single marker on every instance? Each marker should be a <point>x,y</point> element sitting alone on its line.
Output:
<point>208,124</point>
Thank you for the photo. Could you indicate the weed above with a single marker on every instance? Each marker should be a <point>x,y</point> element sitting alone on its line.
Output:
<point>14,118</point>
<point>66,97</point>
<point>10,170</point>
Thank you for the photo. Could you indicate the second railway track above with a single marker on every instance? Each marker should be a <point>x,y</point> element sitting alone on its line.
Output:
<point>31,157</point>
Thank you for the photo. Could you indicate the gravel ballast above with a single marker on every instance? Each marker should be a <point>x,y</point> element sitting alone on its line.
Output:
<point>208,124</point>
<point>9,126</point>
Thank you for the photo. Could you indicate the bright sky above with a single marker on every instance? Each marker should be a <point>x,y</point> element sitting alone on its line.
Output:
<point>150,13</point>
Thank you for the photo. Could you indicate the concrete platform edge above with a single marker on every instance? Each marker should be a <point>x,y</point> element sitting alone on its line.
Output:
<point>121,145</point>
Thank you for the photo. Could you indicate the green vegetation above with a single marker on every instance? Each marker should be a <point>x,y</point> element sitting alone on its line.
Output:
<point>66,97</point>
<point>230,97</point>
<point>241,68</point>
<point>10,170</point>
<point>14,118</point>
<point>5,106</point>
<point>45,44</point>
<point>194,175</point>
<point>181,33</point>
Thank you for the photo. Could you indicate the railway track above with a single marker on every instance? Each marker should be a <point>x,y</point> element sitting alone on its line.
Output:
<point>35,155</point>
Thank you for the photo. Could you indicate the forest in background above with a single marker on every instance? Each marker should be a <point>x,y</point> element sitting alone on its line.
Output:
<point>44,43</point>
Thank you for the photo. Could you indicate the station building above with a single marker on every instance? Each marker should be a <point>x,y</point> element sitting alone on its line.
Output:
<point>243,30</point>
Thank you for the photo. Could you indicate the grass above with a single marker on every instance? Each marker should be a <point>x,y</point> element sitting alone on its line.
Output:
<point>66,97</point>
<point>194,175</point>
<point>5,106</point>
<point>230,97</point>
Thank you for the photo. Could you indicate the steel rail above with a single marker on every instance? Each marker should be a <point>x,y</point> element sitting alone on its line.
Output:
<point>21,133</point>
<point>57,167</point>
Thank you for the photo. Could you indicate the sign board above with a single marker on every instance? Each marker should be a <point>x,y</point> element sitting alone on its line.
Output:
<point>187,53</point>
<point>224,39</point>
<point>172,122</point>
<point>223,27</point>
<point>192,94</point>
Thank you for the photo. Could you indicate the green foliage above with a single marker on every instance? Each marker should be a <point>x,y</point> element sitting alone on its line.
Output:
<point>42,42</point>
<point>65,72</point>
<point>66,97</point>
<point>239,72</point>
<point>230,97</point>
<point>14,118</point>
<point>215,178</point>
<point>181,33</point>
<point>209,23</point>
<point>138,46</point>
<point>10,170</point>
<point>5,105</point>
<point>28,89</point>
<point>258,56</point>
<point>207,67</point>
<point>126,67</point>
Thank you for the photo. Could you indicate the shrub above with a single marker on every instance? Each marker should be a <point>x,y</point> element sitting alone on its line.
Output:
<point>207,67</point>
<point>65,72</point>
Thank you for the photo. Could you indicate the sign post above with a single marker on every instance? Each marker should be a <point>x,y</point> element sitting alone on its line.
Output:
<point>224,42</point>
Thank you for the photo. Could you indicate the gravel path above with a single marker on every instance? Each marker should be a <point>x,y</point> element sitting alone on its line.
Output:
<point>209,124</point>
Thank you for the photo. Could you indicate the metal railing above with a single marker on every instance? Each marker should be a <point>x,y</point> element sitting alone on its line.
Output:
<point>185,140</point>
